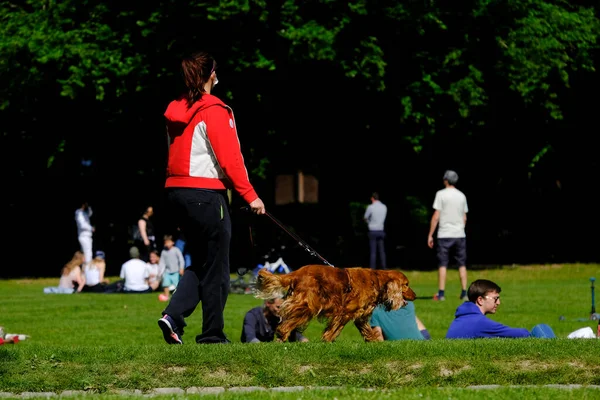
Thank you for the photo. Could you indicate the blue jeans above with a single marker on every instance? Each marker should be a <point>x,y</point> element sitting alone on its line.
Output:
<point>376,247</point>
<point>542,331</point>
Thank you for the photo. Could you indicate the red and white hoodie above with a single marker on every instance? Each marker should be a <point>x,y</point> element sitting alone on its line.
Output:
<point>204,149</point>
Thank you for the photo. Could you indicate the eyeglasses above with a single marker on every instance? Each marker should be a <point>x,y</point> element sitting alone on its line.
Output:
<point>496,299</point>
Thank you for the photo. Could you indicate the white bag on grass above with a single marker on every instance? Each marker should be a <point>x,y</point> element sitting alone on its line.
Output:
<point>583,333</point>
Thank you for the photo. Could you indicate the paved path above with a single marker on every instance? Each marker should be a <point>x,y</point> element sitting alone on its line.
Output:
<point>217,390</point>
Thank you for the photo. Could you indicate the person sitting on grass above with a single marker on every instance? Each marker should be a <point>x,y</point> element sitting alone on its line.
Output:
<point>135,274</point>
<point>155,271</point>
<point>72,279</point>
<point>260,323</point>
<point>95,282</point>
<point>470,321</point>
<point>398,324</point>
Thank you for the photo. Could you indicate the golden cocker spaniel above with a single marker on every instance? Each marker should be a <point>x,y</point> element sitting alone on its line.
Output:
<point>333,295</point>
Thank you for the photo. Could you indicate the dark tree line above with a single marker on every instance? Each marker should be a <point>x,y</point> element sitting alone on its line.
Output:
<point>365,95</point>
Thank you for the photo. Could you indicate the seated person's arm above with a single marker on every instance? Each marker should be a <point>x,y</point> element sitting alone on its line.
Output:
<point>80,280</point>
<point>102,268</point>
<point>499,330</point>
<point>377,331</point>
<point>376,328</point>
<point>300,337</point>
<point>249,328</point>
<point>484,328</point>
<point>422,329</point>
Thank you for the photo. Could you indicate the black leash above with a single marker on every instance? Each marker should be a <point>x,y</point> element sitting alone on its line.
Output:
<point>301,242</point>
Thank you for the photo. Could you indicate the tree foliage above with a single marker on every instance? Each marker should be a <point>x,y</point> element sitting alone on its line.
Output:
<point>67,45</point>
<point>481,85</point>
<point>439,61</point>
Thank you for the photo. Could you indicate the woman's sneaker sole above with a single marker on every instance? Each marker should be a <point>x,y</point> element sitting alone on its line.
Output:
<point>171,337</point>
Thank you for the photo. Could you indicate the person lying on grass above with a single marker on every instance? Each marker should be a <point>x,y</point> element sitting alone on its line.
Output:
<point>470,321</point>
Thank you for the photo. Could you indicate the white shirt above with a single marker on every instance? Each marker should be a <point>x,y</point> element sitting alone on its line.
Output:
<point>155,273</point>
<point>92,276</point>
<point>452,205</point>
<point>135,272</point>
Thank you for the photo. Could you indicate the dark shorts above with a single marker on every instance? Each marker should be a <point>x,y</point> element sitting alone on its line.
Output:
<point>455,246</point>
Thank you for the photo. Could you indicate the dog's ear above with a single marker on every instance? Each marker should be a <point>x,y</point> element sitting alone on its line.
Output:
<point>402,280</point>
<point>391,295</point>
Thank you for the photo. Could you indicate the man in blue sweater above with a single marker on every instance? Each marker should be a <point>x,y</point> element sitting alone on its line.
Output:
<point>470,321</point>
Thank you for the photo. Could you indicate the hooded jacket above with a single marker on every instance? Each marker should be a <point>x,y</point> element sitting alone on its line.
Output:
<point>470,323</point>
<point>204,149</point>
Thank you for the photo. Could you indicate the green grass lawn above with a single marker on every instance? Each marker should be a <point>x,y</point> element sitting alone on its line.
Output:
<point>100,343</point>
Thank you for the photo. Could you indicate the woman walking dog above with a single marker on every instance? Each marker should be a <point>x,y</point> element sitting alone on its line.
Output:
<point>205,160</point>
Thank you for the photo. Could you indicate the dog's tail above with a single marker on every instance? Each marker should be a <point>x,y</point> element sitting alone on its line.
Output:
<point>270,286</point>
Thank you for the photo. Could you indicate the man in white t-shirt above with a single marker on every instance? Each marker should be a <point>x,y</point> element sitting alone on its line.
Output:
<point>135,272</point>
<point>450,218</point>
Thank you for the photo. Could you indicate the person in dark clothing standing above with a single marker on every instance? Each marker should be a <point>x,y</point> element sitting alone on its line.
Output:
<point>375,215</point>
<point>205,160</point>
<point>144,237</point>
